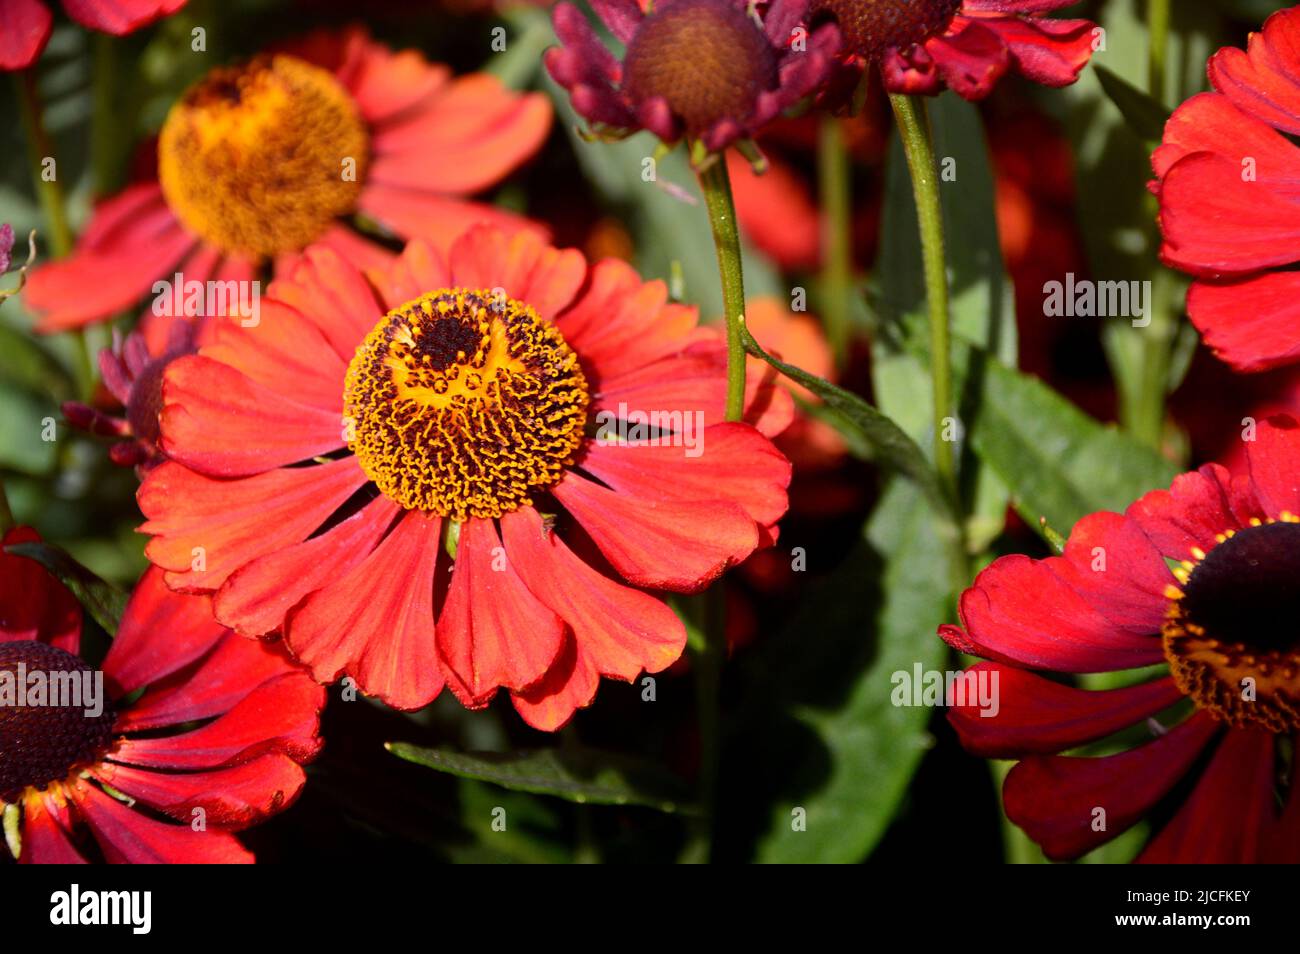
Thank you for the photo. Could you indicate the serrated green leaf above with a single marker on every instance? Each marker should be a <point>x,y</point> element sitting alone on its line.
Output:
<point>102,600</point>
<point>585,776</point>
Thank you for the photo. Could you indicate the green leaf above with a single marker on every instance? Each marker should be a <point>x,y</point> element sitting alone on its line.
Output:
<point>850,772</point>
<point>101,599</point>
<point>578,775</point>
<point>865,426</point>
<point>1144,115</point>
<point>1059,462</point>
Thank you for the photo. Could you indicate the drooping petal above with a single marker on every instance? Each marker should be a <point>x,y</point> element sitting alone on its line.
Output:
<point>255,599</point>
<point>231,798</point>
<point>1236,788</point>
<point>280,715</point>
<point>620,631</point>
<point>1033,715</point>
<point>493,632</point>
<point>129,837</point>
<point>1056,799</point>
<point>569,685</point>
<point>212,685</point>
<point>45,841</point>
<point>375,621</point>
<point>160,633</point>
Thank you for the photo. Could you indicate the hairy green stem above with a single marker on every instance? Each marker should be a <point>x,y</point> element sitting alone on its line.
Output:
<point>835,193</point>
<point>715,183</point>
<point>914,129</point>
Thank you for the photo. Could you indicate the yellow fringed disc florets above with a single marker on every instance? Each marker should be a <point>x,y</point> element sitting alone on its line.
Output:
<point>260,159</point>
<point>464,403</point>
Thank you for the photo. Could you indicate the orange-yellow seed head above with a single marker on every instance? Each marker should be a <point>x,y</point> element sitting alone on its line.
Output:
<point>464,403</point>
<point>260,159</point>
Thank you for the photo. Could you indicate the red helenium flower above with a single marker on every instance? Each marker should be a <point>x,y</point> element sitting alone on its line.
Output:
<point>469,389</point>
<point>1202,579</point>
<point>25,24</point>
<point>197,718</point>
<point>1226,181</point>
<point>257,162</point>
<point>703,69</point>
<point>923,46</point>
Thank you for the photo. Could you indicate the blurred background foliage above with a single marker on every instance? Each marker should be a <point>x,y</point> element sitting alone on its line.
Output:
<point>809,727</point>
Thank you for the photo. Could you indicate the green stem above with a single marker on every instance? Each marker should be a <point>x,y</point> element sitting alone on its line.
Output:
<point>38,149</point>
<point>104,122</point>
<point>834,174</point>
<point>1158,17</point>
<point>50,191</point>
<point>715,183</point>
<point>914,129</point>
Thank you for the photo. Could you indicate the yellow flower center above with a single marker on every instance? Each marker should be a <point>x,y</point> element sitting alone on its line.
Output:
<point>1232,630</point>
<point>871,27</point>
<point>464,403</point>
<point>260,159</point>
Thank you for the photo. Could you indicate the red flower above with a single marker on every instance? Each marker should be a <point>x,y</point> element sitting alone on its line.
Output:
<point>25,24</point>
<point>1226,174</point>
<point>467,414</point>
<point>923,46</point>
<point>69,770</point>
<point>259,161</point>
<point>1222,624</point>
<point>703,69</point>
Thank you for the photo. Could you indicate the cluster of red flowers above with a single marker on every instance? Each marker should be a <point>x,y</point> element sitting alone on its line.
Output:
<point>390,473</point>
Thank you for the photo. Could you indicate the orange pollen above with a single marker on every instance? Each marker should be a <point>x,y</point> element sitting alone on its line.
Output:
<point>872,27</point>
<point>1232,629</point>
<point>260,159</point>
<point>464,403</point>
